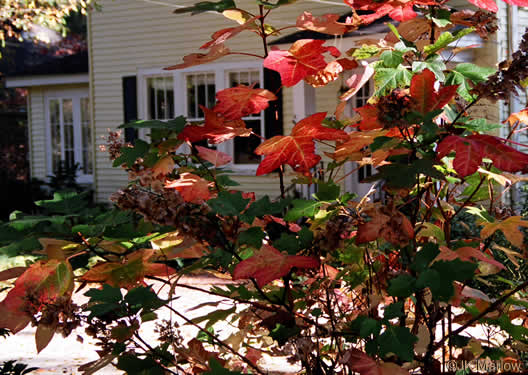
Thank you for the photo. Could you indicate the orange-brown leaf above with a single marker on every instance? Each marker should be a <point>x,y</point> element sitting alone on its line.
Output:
<point>191,187</point>
<point>217,158</point>
<point>331,72</point>
<point>360,362</point>
<point>221,36</point>
<point>128,273</point>
<point>385,222</point>
<point>326,24</point>
<point>216,52</point>
<point>466,254</point>
<point>269,264</point>
<point>510,229</point>
<point>163,167</point>
<point>356,142</point>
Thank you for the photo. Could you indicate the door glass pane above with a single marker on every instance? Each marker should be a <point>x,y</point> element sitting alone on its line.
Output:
<point>67,115</point>
<point>86,134</point>
<point>56,149</point>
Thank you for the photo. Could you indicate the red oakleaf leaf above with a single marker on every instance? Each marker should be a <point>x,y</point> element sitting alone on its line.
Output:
<point>237,102</point>
<point>399,10</point>
<point>193,59</point>
<point>326,24</point>
<point>217,158</point>
<point>269,264</point>
<point>215,129</point>
<point>42,283</point>
<point>363,364</point>
<point>470,151</point>
<point>369,118</point>
<point>426,98</point>
<point>489,5</point>
<point>221,36</point>
<point>297,149</point>
<point>305,57</point>
<point>520,3</point>
<point>191,187</point>
<point>130,272</point>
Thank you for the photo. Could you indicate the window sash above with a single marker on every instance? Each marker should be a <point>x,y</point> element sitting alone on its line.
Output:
<point>69,133</point>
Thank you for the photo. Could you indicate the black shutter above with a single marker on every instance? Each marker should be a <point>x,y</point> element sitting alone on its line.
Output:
<point>273,114</point>
<point>130,108</point>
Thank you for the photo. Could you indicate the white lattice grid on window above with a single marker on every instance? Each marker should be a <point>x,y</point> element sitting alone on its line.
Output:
<point>243,147</point>
<point>70,138</point>
<point>200,89</point>
<point>160,97</point>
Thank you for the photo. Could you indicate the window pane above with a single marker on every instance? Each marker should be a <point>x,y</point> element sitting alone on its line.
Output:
<point>160,91</point>
<point>56,148</point>
<point>244,146</point>
<point>247,78</point>
<point>67,115</point>
<point>86,133</point>
<point>201,90</point>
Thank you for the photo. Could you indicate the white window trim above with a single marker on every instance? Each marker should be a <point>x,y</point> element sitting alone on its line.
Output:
<point>76,95</point>
<point>351,182</point>
<point>221,71</point>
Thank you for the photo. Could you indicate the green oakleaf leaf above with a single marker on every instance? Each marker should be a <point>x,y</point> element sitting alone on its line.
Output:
<point>301,208</point>
<point>66,202</point>
<point>465,73</point>
<point>327,191</point>
<point>445,39</point>
<point>217,369</point>
<point>387,79</point>
<point>228,204</point>
<point>397,340</point>
<point>271,5</point>
<point>252,237</point>
<point>365,52</point>
<point>263,206</point>
<point>204,6</point>
<point>176,124</point>
<point>401,286</point>
<point>394,310</point>
<point>129,155</point>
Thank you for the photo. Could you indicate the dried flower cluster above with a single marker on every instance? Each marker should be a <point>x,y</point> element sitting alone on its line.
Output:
<point>508,78</point>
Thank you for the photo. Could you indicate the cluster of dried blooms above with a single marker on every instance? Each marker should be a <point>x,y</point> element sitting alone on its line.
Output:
<point>485,23</point>
<point>507,80</point>
<point>168,208</point>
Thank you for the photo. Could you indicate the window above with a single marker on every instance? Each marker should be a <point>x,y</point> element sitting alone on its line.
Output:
<point>167,95</point>
<point>70,133</point>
